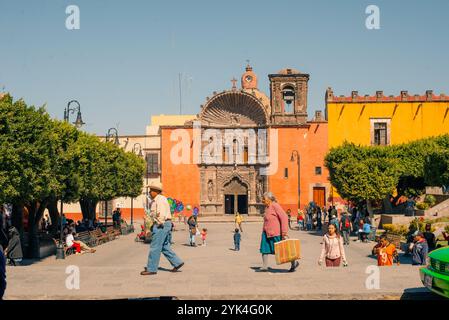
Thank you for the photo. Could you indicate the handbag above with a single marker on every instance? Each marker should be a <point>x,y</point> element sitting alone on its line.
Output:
<point>287,251</point>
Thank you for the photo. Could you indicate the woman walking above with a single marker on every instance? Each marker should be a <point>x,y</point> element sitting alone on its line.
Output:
<point>275,229</point>
<point>192,230</point>
<point>332,249</point>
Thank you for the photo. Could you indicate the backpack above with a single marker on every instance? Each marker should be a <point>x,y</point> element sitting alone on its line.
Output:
<point>347,224</point>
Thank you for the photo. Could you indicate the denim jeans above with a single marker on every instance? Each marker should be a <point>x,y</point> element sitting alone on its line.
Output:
<point>160,243</point>
<point>192,238</point>
<point>346,236</point>
<point>237,246</point>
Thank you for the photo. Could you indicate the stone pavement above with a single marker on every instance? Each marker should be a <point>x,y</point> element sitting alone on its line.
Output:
<point>211,272</point>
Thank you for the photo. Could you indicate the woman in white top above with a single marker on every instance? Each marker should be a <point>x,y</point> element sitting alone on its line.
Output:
<point>332,249</point>
<point>77,245</point>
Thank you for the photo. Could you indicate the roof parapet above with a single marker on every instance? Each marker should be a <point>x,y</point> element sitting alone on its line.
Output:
<point>379,96</point>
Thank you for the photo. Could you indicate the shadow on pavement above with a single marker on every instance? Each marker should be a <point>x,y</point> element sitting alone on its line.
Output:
<point>420,294</point>
<point>271,270</point>
<point>27,262</point>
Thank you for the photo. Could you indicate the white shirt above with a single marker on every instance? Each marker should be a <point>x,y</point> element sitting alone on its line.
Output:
<point>160,209</point>
<point>69,240</point>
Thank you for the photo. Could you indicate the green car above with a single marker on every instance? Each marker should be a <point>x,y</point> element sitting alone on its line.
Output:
<point>435,276</point>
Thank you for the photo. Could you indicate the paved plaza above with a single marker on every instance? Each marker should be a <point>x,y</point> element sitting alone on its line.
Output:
<point>211,272</point>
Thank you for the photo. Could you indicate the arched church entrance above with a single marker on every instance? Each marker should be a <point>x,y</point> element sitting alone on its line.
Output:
<point>235,197</point>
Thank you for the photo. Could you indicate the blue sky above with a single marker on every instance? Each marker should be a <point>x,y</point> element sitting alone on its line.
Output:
<point>123,64</point>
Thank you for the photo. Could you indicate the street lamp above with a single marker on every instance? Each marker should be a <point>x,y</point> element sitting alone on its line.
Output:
<point>295,154</point>
<point>79,121</point>
<point>60,254</point>
<point>112,134</point>
<point>137,149</point>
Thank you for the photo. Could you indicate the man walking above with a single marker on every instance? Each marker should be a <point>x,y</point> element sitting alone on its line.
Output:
<point>161,231</point>
<point>345,227</point>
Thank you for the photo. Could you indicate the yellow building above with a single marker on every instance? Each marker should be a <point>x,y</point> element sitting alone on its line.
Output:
<point>385,120</point>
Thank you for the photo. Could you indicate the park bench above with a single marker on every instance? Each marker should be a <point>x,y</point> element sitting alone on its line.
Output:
<point>112,232</point>
<point>86,238</point>
<point>99,236</point>
<point>394,239</point>
<point>125,228</point>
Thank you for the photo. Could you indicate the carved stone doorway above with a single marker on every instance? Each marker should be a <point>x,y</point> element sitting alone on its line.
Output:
<point>235,197</point>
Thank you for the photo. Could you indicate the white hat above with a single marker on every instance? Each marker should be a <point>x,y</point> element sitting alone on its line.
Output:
<point>155,185</point>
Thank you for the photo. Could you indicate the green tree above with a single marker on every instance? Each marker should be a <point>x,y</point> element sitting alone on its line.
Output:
<point>105,172</point>
<point>437,168</point>
<point>369,179</point>
<point>26,156</point>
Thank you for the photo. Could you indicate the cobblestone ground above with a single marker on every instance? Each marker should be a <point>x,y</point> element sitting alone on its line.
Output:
<point>212,272</point>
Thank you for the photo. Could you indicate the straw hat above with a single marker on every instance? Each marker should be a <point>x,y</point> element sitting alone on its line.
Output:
<point>155,185</point>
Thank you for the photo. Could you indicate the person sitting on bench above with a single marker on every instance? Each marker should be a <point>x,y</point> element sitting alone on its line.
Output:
<point>365,231</point>
<point>76,244</point>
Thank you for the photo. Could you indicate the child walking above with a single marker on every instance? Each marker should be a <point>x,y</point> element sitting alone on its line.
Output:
<point>237,238</point>
<point>203,236</point>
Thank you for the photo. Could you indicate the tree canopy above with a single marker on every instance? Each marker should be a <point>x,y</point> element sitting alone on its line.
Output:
<point>43,160</point>
<point>374,172</point>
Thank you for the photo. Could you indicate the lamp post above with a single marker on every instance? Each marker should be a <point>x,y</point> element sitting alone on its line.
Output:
<point>60,254</point>
<point>295,154</point>
<point>68,110</point>
<point>112,134</point>
<point>137,149</point>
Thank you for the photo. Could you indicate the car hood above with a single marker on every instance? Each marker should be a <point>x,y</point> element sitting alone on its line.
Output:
<point>440,254</point>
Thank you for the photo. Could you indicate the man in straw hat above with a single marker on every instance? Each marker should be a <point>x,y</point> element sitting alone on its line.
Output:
<point>160,212</point>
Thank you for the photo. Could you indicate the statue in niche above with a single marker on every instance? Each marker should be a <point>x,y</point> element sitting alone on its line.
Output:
<point>210,190</point>
<point>259,190</point>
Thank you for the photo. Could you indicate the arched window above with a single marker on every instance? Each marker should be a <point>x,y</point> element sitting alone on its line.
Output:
<point>288,95</point>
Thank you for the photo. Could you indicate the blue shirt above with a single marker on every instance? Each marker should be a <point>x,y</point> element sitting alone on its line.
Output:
<point>367,228</point>
<point>237,237</point>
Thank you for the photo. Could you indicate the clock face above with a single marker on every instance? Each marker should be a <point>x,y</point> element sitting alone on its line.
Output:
<point>248,78</point>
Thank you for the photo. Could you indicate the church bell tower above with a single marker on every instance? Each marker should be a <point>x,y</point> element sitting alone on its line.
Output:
<point>288,90</point>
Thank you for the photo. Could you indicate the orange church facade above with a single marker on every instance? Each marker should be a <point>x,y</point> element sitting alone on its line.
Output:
<point>244,143</point>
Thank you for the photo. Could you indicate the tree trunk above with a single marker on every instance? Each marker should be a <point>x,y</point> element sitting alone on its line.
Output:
<point>36,212</point>
<point>17,217</point>
<point>88,207</point>
<point>369,208</point>
<point>54,216</point>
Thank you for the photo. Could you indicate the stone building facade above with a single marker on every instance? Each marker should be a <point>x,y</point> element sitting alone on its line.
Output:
<point>257,135</point>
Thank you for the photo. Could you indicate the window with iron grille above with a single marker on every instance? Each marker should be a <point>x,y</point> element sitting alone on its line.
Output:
<point>318,171</point>
<point>380,134</point>
<point>153,163</point>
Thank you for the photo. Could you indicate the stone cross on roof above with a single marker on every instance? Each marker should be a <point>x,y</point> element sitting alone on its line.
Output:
<point>234,81</point>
